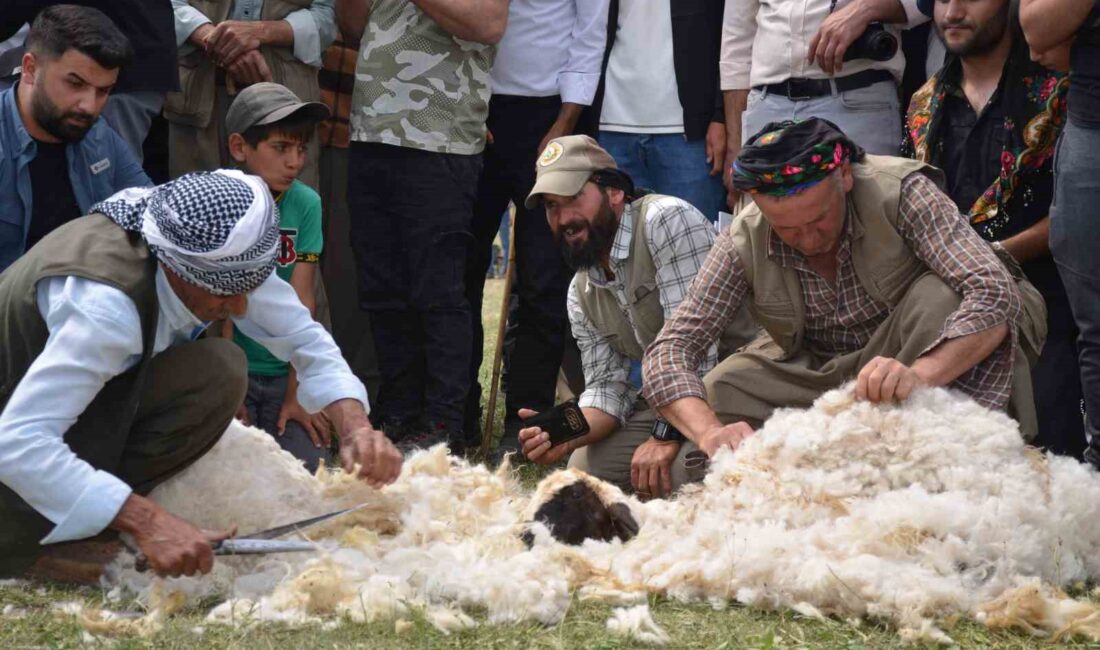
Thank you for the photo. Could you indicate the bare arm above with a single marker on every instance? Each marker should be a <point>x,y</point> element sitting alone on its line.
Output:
<point>480,21</point>
<point>534,443</point>
<point>947,361</point>
<point>351,17</point>
<point>734,105</point>
<point>1031,243</point>
<point>1047,23</point>
<point>842,27</point>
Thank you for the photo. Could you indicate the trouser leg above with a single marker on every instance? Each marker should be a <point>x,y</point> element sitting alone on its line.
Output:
<point>131,114</point>
<point>629,152</point>
<point>679,168</point>
<point>1074,242</point>
<point>750,385</point>
<point>189,397</point>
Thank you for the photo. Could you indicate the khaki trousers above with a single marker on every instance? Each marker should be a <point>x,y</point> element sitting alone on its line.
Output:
<point>609,459</point>
<point>203,149</point>
<point>749,385</point>
<point>190,396</point>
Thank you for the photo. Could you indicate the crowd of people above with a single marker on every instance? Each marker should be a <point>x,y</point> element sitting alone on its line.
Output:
<point>260,209</point>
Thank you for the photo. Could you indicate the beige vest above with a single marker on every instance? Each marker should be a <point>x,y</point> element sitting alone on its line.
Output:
<point>194,104</point>
<point>645,309</point>
<point>883,262</point>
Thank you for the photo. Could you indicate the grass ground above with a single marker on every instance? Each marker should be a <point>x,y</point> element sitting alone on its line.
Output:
<point>28,618</point>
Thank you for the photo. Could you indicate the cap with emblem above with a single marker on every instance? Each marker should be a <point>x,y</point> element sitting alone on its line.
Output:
<point>266,103</point>
<point>566,165</point>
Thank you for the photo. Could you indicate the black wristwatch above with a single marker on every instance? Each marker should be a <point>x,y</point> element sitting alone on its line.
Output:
<point>665,432</point>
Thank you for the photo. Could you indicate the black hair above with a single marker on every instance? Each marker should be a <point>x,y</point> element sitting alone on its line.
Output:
<point>60,28</point>
<point>298,126</point>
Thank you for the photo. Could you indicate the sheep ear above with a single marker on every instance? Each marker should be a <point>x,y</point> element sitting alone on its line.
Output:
<point>623,521</point>
<point>528,538</point>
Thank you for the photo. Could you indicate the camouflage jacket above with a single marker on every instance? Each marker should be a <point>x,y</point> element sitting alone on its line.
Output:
<point>418,86</point>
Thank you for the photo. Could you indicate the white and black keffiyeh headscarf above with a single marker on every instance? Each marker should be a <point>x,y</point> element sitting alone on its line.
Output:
<point>217,230</point>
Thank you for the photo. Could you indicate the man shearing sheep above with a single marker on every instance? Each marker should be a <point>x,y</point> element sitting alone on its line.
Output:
<point>858,266</point>
<point>105,391</point>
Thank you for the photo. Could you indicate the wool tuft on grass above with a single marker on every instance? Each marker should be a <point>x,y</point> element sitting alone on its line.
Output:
<point>913,514</point>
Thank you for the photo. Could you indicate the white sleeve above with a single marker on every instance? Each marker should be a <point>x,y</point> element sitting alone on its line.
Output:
<point>95,335</point>
<point>277,320</point>
<point>577,83</point>
<point>314,30</point>
<point>738,34</point>
<point>187,20</point>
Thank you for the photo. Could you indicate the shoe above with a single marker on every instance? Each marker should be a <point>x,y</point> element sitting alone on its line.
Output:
<point>425,437</point>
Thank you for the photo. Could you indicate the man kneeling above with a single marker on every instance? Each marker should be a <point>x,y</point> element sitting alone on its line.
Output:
<point>635,255</point>
<point>104,390</point>
<point>857,266</point>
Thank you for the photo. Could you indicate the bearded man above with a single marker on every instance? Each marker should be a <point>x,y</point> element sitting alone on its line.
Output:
<point>57,157</point>
<point>990,119</point>
<point>635,255</point>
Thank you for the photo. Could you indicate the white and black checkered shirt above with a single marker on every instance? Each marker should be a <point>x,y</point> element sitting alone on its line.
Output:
<point>679,238</point>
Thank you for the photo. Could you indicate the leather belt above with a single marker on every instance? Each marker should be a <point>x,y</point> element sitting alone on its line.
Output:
<point>801,89</point>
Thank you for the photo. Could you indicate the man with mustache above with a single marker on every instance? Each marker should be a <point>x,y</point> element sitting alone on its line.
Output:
<point>635,255</point>
<point>56,157</point>
<point>990,119</point>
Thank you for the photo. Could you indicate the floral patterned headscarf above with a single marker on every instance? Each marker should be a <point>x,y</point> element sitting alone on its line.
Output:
<point>785,158</point>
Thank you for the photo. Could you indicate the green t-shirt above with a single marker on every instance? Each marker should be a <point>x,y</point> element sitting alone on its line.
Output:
<point>300,240</point>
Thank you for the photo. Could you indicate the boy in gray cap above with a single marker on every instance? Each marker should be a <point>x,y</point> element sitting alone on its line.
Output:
<point>269,130</point>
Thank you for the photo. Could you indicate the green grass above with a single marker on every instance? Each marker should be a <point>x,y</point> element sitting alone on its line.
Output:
<point>36,625</point>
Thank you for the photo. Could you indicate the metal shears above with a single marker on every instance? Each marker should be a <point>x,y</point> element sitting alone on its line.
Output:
<point>264,541</point>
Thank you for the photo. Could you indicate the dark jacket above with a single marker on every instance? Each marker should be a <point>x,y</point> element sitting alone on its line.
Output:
<point>696,45</point>
<point>149,24</point>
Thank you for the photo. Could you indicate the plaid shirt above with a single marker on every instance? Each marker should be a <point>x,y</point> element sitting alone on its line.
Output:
<point>679,237</point>
<point>337,79</point>
<point>840,319</point>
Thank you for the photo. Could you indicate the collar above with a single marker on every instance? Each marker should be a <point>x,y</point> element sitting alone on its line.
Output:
<point>173,312</point>
<point>18,134</point>
<point>620,249</point>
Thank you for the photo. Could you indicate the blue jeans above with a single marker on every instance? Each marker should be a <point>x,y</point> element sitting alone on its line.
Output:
<point>668,164</point>
<point>870,116</point>
<point>1075,243</point>
<point>263,401</point>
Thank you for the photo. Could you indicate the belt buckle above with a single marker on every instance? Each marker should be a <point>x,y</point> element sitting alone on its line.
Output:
<point>790,83</point>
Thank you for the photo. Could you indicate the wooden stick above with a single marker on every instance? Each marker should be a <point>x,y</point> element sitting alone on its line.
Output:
<point>498,354</point>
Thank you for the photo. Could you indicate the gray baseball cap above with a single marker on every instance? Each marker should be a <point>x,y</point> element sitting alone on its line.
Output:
<point>265,103</point>
<point>566,165</point>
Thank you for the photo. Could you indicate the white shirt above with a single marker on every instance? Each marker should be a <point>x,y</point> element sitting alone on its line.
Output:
<point>95,335</point>
<point>766,42</point>
<point>314,27</point>
<point>641,95</point>
<point>552,47</point>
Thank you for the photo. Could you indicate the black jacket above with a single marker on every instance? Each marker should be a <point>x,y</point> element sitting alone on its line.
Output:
<point>696,48</point>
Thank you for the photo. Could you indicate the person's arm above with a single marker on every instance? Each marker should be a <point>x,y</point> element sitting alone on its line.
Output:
<point>563,125</point>
<point>670,379</point>
<point>188,20</point>
<point>738,34</point>
<point>232,39</point>
<point>1049,23</point>
<point>608,397</point>
<point>1030,243</point>
<point>842,27</point>
<point>351,18</point>
<point>480,21</point>
<point>302,280</point>
<point>128,172</point>
<point>314,30</point>
<point>579,79</point>
<point>990,306</point>
<point>735,102</point>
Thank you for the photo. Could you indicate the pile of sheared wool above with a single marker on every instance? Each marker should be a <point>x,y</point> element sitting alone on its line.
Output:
<point>913,514</point>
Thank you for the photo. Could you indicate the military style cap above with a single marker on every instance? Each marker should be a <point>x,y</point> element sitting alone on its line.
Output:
<point>265,103</point>
<point>566,165</point>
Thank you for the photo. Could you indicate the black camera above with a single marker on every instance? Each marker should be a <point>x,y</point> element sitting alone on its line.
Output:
<point>875,43</point>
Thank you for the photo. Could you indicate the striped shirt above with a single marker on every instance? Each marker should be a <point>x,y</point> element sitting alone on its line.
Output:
<point>679,238</point>
<point>841,319</point>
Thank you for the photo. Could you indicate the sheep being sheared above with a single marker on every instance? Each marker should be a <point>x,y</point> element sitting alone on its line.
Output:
<point>911,513</point>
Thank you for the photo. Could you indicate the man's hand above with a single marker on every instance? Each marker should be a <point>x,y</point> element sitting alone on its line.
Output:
<point>716,148</point>
<point>250,68</point>
<point>557,130</point>
<point>200,37</point>
<point>884,379</point>
<point>534,443</point>
<point>292,410</point>
<point>171,546</point>
<point>361,444</point>
<point>242,415</point>
<point>232,38</point>
<point>730,435</point>
<point>651,467</point>
<point>840,29</point>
